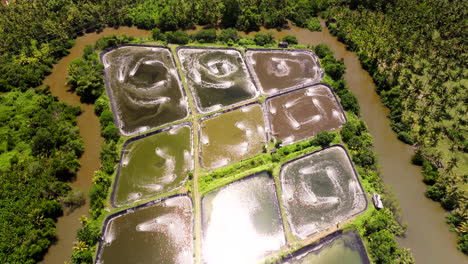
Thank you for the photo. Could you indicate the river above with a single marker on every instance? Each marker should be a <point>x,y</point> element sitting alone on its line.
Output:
<point>88,122</point>
<point>427,235</point>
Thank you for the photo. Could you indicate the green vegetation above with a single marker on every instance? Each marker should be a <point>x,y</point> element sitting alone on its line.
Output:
<point>39,152</point>
<point>416,54</point>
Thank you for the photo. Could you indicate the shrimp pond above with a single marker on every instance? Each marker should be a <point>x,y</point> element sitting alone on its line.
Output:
<point>160,215</point>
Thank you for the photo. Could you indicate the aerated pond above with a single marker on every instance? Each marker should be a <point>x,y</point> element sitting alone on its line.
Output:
<point>154,164</point>
<point>216,77</point>
<point>241,221</point>
<point>343,248</point>
<point>303,113</point>
<point>160,232</point>
<point>320,190</point>
<point>144,88</point>
<point>232,136</point>
<point>279,70</point>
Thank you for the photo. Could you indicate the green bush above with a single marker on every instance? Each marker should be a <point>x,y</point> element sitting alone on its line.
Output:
<point>324,139</point>
<point>205,36</point>
<point>313,24</point>
<point>264,39</point>
<point>290,39</point>
<point>177,37</point>
<point>322,51</point>
<point>406,137</point>
<point>228,34</point>
<point>157,34</point>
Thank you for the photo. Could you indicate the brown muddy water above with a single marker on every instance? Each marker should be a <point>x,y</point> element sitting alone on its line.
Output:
<point>302,114</point>
<point>144,88</point>
<point>320,190</point>
<point>241,221</point>
<point>428,235</point>
<point>88,123</point>
<point>232,136</point>
<point>271,67</point>
<point>159,233</point>
<point>216,77</point>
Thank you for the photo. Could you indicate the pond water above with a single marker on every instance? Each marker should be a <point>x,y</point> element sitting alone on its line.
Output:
<point>144,88</point>
<point>232,136</point>
<point>279,70</point>
<point>241,222</point>
<point>153,165</point>
<point>320,190</point>
<point>216,77</point>
<point>158,233</point>
<point>336,248</point>
<point>303,113</point>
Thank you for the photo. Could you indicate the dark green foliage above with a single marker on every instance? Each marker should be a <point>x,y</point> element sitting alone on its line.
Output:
<point>349,103</point>
<point>228,34</point>
<point>422,85</point>
<point>417,158</point>
<point>177,37</point>
<point>291,39</point>
<point>322,51</point>
<point>314,24</point>
<point>324,139</point>
<point>157,34</point>
<point>264,39</point>
<point>111,41</point>
<point>205,36</point>
<point>36,132</point>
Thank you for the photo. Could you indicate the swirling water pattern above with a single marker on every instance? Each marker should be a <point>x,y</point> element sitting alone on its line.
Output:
<point>144,88</point>
<point>217,77</point>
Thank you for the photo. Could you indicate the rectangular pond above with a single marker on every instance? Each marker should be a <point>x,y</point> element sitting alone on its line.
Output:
<point>242,222</point>
<point>153,164</point>
<point>303,113</point>
<point>320,190</point>
<point>217,77</point>
<point>232,136</point>
<point>159,232</point>
<point>144,88</point>
<point>280,70</point>
<point>343,248</point>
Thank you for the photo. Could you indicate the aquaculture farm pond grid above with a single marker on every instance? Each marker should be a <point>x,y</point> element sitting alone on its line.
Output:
<point>251,122</point>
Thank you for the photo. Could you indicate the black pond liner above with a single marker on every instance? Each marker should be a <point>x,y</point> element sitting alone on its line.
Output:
<point>133,209</point>
<point>355,174</point>
<point>130,140</point>
<point>326,242</point>
<point>294,90</point>
<point>239,180</point>
<point>257,82</point>
<point>193,93</point>
<point>220,113</point>
<point>109,90</point>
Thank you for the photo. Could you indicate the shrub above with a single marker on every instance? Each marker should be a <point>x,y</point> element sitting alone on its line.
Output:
<point>405,137</point>
<point>177,37</point>
<point>324,139</point>
<point>157,34</point>
<point>313,24</point>
<point>291,39</point>
<point>264,39</point>
<point>322,50</point>
<point>350,103</point>
<point>228,34</point>
<point>206,36</point>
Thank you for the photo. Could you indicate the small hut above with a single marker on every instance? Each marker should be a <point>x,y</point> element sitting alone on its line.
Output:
<point>377,201</point>
<point>283,45</point>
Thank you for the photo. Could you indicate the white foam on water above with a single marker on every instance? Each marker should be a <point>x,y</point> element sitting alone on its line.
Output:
<point>312,119</point>
<point>121,74</point>
<point>134,196</point>
<point>332,175</point>
<point>213,108</point>
<point>184,256</point>
<point>204,139</point>
<point>248,108</point>
<point>292,121</point>
<point>289,139</point>
<point>151,186</point>
<point>188,160</point>
<point>109,235</point>
<point>338,115</point>
<point>288,192</point>
<point>308,169</point>
<point>169,164</point>
<point>240,125</point>
<point>160,84</point>
<point>220,163</point>
<point>260,129</point>
<point>143,129</point>
<point>273,110</point>
<point>132,72</point>
<point>195,76</point>
<point>125,160</point>
<point>355,193</point>
<point>319,107</point>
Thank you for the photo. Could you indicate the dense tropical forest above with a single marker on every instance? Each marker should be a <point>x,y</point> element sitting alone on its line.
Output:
<point>415,51</point>
<point>416,54</point>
